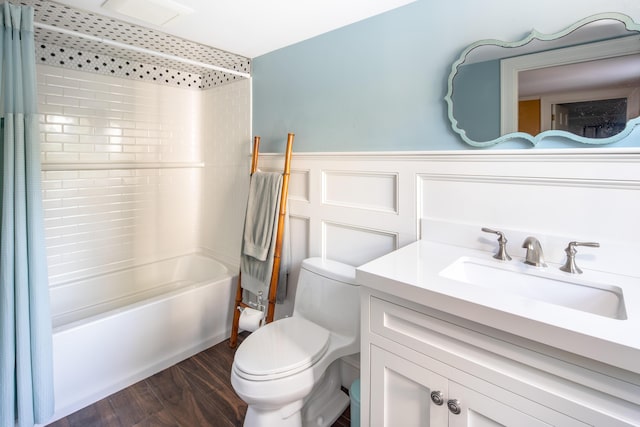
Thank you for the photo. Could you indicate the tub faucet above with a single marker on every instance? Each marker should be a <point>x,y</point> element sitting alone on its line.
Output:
<point>534,252</point>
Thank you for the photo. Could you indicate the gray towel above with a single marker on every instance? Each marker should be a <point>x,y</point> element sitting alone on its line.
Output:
<point>262,214</point>
<point>259,237</point>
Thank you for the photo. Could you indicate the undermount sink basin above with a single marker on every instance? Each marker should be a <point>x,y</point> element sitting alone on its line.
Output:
<point>542,285</point>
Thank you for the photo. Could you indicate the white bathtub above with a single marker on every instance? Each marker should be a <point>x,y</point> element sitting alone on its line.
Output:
<point>113,330</point>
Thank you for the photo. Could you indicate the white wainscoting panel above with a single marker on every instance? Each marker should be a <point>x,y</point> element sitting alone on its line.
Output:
<point>299,185</point>
<point>352,199</point>
<point>298,227</point>
<point>353,189</point>
<point>362,205</point>
<point>364,243</point>
<point>558,198</point>
<point>560,207</point>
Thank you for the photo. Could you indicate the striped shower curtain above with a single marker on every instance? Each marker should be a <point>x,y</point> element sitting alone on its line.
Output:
<point>26,367</point>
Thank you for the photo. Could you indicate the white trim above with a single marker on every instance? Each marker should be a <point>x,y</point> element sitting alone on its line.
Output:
<point>528,180</point>
<point>525,155</point>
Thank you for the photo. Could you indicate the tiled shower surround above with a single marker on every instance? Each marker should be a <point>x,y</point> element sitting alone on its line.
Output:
<point>55,48</point>
<point>134,171</point>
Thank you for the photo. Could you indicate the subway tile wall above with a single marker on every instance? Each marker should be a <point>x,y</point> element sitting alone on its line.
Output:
<point>94,118</point>
<point>123,169</point>
<point>226,148</point>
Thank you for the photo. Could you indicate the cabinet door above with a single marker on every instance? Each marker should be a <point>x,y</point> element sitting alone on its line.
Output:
<point>479,410</point>
<point>401,393</point>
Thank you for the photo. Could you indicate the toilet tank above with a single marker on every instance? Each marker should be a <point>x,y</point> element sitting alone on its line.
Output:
<point>327,295</point>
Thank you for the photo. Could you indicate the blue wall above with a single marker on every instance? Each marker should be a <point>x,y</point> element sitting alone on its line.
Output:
<point>478,111</point>
<point>379,84</point>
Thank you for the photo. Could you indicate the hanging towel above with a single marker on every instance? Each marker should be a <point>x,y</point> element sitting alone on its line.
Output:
<point>262,214</point>
<point>260,234</point>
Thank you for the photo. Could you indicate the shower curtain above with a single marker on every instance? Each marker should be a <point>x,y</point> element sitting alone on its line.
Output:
<point>26,366</point>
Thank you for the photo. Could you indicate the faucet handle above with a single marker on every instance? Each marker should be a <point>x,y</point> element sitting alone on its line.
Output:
<point>591,244</point>
<point>502,241</point>
<point>570,265</point>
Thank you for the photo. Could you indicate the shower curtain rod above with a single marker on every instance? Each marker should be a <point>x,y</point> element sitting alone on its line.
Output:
<point>140,49</point>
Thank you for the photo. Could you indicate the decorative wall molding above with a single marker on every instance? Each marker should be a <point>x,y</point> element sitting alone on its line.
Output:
<point>365,243</point>
<point>299,185</point>
<point>553,182</point>
<point>352,189</point>
<point>591,194</point>
<point>595,154</point>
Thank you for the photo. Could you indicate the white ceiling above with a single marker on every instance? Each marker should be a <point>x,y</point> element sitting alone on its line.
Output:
<point>254,27</point>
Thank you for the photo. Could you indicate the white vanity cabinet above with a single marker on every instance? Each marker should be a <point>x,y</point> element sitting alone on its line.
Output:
<point>406,394</point>
<point>401,392</point>
<point>416,360</point>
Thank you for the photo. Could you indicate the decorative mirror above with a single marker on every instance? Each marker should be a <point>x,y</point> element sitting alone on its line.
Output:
<point>582,84</point>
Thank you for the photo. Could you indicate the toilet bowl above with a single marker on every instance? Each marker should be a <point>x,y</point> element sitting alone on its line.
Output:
<point>288,371</point>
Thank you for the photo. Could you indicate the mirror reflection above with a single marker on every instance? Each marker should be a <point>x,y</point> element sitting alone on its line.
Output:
<point>582,83</point>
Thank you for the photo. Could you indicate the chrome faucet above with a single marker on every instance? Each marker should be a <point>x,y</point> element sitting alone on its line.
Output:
<point>534,252</point>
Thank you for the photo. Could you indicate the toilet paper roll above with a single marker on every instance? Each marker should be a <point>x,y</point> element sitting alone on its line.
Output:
<point>250,319</point>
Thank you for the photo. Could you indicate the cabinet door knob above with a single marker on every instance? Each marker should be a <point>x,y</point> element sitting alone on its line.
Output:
<point>437,397</point>
<point>454,406</point>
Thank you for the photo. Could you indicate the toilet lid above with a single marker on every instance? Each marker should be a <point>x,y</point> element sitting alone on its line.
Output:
<point>281,348</point>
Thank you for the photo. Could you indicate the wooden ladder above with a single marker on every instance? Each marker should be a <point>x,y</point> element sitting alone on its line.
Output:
<point>273,286</point>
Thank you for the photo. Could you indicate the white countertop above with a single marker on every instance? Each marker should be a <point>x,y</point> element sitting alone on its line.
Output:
<point>412,273</point>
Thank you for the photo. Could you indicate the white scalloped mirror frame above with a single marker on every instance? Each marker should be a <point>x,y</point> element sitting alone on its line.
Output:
<point>508,107</point>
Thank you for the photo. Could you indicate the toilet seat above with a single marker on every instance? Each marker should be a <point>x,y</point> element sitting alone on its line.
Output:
<point>280,349</point>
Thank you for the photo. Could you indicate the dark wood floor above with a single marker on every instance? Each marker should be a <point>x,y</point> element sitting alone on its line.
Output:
<point>193,393</point>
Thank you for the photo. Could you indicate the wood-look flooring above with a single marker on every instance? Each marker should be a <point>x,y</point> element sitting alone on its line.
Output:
<point>196,392</point>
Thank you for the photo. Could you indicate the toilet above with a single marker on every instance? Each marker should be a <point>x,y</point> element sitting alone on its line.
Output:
<point>288,371</point>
